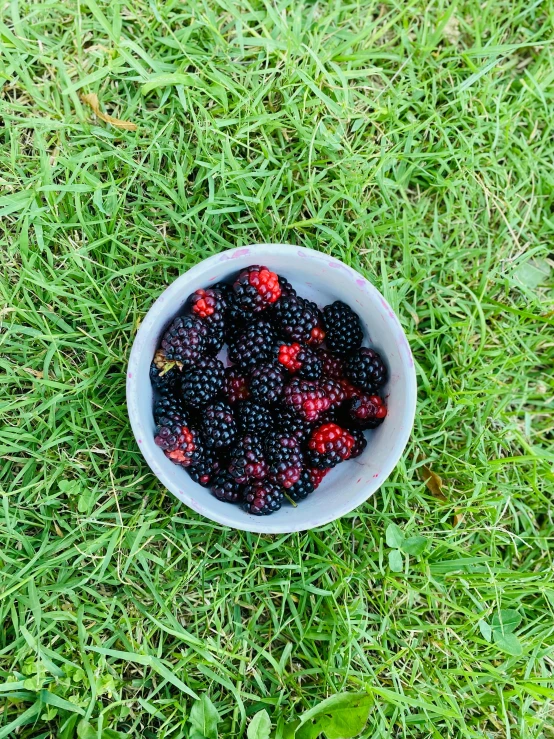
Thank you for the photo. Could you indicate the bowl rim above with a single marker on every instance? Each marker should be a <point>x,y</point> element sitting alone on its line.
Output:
<point>261,524</point>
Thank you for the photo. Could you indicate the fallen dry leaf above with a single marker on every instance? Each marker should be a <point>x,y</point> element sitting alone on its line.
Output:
<point>92,99</point>
<point>36,373</point>
<point>458,518</point>
<point>451,30</point>
<point>433,482</point>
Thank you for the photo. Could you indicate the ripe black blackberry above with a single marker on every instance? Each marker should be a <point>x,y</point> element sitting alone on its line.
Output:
<point>366,369</point>
<point>218,425</point>
<point>226,488</point>
<point>246,460</point>
<point>236,385</point>
<point>343,328</point>
<point>163,373</point>
<point>286,288</point>
<point>360,442</point>
<point>254,418</point>
<point>203,382</point>
<point>180,443</point>
<point>205,470</point>
<point>185,340</point>
<point>262,498</point>
<point>168,406</point>
<point>284,457</point>
<point>236,318</point>
<point>266,384</point>
<point>302,487</point>
<point>253,346</point>
<point>291,424</point>
<point>294,318</point>
<point>256,288</point>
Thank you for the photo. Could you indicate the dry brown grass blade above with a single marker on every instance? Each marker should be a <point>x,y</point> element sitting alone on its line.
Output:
<point>433,482</point>
<point>91,99</point>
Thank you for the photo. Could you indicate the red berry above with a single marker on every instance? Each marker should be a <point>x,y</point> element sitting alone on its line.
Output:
<point>317,336</point>
<point>307,398</point>
<point>287,357</point>
<point>329,445</point>
<point>257,287</point>
<point>334,391</point>
<point>316,476</point>
<point>368,411</point>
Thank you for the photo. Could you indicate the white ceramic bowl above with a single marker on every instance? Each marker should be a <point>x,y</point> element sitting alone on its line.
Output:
<point>323,279</point>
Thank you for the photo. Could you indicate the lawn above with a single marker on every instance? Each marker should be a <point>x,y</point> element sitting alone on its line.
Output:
<point>414,141</point>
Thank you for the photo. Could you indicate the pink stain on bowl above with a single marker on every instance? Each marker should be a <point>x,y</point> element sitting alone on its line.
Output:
<point>129,375</point>
<point>376,474</point>
<point>360,283</point>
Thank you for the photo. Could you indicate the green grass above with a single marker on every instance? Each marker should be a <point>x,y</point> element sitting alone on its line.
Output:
<point>413,140</point>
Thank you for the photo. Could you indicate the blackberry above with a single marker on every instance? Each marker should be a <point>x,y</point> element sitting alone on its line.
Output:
<point>256,288</point>
<point>329,445</point>
<point>254,418</point>
<point>205,470</point>
<point>343,328</point>
<point>367,411</point>
<point>332,366</point>
<point>360,442</point>
<point>246,461</point>
<point>366,370</point>
<point>201,383</point>
<point>266,384</point>
<point>208,305</point>
<point>302,487</point>
<point>226,488</point>
<point>300,359</point>
<point>284,458</point>
<point>262,498</point>
<point>306,398</point>
<point>290,424</point>
<point>185,340</point>
<point>236,318</point>
<point>218,425</point>
<point>253,346</point>
<point>334,391</point>
<point>163,373</point>
<point>316,475</point>
<point>236,385</point>
<point>294,318</point>
<point>168,406</point>
<point>317,334</point>
<point>180,443</point>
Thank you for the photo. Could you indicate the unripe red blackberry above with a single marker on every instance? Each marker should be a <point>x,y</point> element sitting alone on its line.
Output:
<point>257,288</point>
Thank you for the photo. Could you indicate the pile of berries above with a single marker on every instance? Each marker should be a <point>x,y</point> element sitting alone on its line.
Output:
<point>292,401</point>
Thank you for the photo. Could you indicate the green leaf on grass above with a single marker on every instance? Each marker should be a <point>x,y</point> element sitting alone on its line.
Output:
<point>506,620</point>
<point>394,536</point>
<point>396,563</point>
<point>86,730</point>
<point>341,716</point>
<point>260,726</point>
<point>86,500</point>
<point>485,629</point>
<point>204,717</point>
<point>508,643</point>
<point>415,545</point>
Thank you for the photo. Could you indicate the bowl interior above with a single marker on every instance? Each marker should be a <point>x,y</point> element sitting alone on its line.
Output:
<point>322,279</point>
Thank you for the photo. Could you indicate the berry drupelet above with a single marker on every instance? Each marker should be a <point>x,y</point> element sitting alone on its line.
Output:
<point>329,445</point>
<point>366,370</point>
<point>168,407</point>
<point>266,384</point>
<point>306,398</point>
<point>367,411</point>
<point>302,487</point>
<point>180,443</point>
<point>254,418</point>
<point>295,319</point>
<point>342,327</point>
<point>226,488</point>
<point>253,346</point>
<point>185,340</point>
<point>256,288</point>
<point>218,425</point>
<point>246,460</point>
<point>262,498</point>
<point>203,382</point>
<point>284,457</point>
<point>236,385</point>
